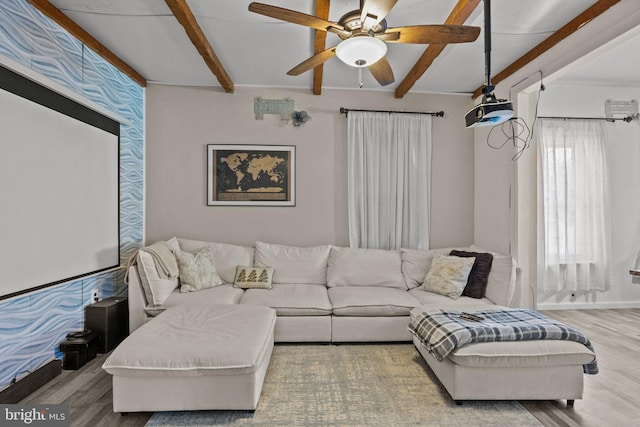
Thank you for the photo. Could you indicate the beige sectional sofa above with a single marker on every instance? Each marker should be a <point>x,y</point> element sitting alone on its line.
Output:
<point>321,293</point>
<point>337,294</point>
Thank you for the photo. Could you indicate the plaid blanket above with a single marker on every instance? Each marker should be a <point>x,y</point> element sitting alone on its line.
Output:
<point>443,331</point>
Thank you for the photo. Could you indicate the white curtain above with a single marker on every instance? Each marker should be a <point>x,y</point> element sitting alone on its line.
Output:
<point>574,224</point>
<point>389,179</point>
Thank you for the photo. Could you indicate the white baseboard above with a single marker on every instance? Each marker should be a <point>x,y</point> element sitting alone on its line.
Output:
<point>586,305</point>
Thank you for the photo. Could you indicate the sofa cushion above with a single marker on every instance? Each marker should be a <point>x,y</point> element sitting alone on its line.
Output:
<point>221,340</point>
<point>225,256</point>
<point>291,299</point>
<point>501,283</point>
<point>478,278</point>
<point>416,264</point>
<point>448,275</point>
<point>294,264</point>
<point>371,301</point>
<point>521,354</point>
<point>253,277</point>
<point>440,301</point>
<point>223,294</point>
<point>197,271</point>
<point>156,284</point>
<point>365,267</point>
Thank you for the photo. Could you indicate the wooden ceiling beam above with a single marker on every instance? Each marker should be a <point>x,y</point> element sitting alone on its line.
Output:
<point>87,39</point>
<point>571,27</point>
<point>185,17</point>
<point>460,13</point>
<point>320,44</point>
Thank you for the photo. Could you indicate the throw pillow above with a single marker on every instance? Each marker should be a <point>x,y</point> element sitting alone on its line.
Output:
<point>197,271</point>
<point>448,275</point>
<point>479,276</point>
<point>253,277</point>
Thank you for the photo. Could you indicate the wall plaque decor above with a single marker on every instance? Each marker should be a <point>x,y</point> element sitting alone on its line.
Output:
<point>262,106</point>
<point>251,175</point>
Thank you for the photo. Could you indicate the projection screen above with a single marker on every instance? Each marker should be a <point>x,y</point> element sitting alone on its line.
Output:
<point>59,187</point>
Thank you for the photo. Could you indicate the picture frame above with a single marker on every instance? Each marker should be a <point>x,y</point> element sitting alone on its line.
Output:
<point>251,175</point>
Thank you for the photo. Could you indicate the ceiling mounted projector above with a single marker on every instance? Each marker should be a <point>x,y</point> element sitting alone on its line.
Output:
<point>491,111</point>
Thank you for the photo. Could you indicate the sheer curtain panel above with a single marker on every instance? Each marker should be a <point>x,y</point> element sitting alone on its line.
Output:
<point>389,161</point>
<point>574,224</point>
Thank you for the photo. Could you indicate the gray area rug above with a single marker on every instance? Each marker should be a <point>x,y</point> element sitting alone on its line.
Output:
<point>354,385</point>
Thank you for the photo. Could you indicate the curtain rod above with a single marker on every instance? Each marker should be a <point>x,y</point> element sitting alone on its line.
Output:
<point>627,119</point>
<point>345,111</point>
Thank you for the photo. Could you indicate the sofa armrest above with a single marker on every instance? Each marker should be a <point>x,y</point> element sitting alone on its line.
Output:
<point>137,300</point>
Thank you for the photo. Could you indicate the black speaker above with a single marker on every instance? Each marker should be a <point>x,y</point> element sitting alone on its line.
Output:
<point>73,359</point>
<point>79,348</point>
<point>109,317</point>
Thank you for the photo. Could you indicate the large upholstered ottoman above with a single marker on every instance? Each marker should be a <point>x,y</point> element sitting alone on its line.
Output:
<point>194,357</point>
<point>511,370</point>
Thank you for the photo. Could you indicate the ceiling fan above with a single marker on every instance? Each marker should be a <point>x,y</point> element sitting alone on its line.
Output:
<point>364,33</point>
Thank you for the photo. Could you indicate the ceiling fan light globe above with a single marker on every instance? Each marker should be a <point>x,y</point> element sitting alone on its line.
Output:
<point>361,51</point>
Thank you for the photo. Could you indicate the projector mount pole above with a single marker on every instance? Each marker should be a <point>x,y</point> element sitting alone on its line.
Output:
<point>488,89</point>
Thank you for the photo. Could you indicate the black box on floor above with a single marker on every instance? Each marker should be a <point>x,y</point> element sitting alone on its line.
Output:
<point>78,349</point>
<point>109,317</point>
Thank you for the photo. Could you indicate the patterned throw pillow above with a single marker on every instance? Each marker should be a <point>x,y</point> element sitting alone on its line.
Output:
<point>448,275</point>
<point>197,271</point>
<point>253,277</point>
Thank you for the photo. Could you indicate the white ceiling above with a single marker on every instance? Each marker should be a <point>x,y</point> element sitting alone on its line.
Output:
<point>258,51</point>
<point>616,64</point>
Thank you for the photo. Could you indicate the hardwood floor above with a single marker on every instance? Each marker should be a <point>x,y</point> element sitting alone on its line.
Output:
<point>611,398</point>
<point>88,393</point>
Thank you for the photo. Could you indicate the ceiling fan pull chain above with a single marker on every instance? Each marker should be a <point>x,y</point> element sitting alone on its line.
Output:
<point>360,84</point>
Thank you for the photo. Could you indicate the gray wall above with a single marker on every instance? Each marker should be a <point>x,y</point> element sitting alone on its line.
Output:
<point>181,121</point>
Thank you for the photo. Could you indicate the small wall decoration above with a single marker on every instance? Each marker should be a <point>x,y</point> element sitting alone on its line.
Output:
<point>262,106</point>
<point>299,118</point>
<point>250,175</point>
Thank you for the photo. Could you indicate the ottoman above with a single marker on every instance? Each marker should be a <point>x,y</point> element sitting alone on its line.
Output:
<point>511,370</point>
<point>523,370</point>
<point>194,357</point>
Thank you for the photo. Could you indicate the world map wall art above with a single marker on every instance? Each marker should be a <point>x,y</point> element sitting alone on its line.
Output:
<point>251,175</point>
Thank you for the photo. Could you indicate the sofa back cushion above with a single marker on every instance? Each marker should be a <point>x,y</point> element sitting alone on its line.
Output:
<point>294,265</point>
<point>226,257</point>
<point>416,264</point>
<point>365,267</point>
<point>501,284</point>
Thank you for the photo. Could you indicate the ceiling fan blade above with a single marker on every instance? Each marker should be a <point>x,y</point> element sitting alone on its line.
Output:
<point>434,34</point>
<point>374,11</point>
<point>297,18</point>
<point>313,62</point>
<point>382,72</point>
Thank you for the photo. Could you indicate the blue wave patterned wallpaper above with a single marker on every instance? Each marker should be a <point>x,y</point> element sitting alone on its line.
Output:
<point>33,325</point>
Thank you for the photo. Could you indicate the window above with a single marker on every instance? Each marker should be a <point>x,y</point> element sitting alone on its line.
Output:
<point>574,221</point>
